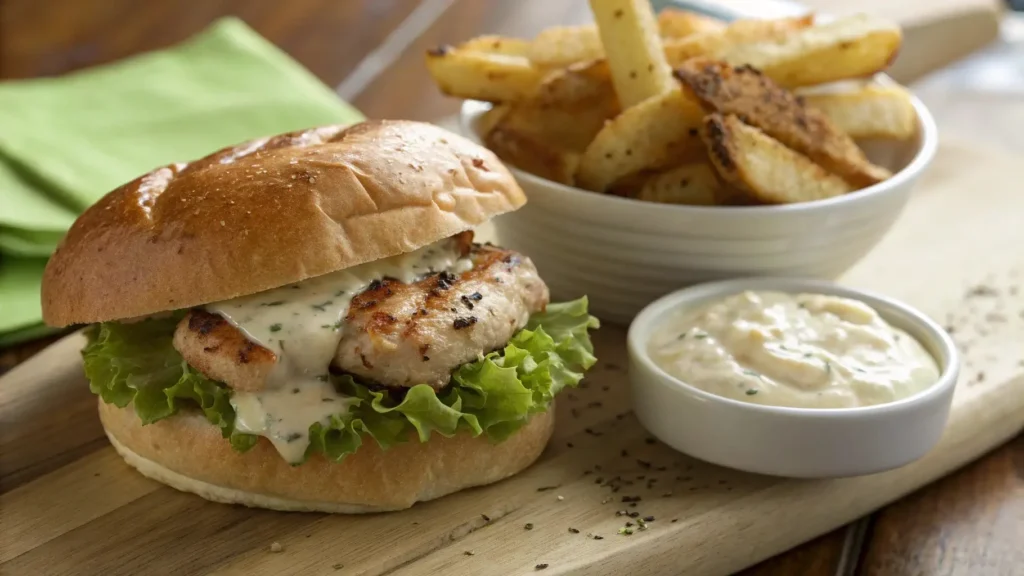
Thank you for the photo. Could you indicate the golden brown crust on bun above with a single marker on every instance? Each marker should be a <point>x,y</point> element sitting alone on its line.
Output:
<point>188,453</point>
<point>271,212</point>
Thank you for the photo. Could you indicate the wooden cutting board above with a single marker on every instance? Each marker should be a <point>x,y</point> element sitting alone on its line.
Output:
<point>70,506</point>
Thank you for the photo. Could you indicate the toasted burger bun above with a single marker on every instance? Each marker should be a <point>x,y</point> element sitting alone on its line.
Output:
<point>188,453</point>
<point>268,213</point>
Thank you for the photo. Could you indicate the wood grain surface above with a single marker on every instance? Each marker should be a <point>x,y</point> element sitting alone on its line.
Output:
<point>968,523</point>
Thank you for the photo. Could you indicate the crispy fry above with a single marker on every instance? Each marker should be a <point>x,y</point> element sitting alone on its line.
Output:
<point>497,45</point>
<point>852,47</point>
<point>674,23</point>
<point>581,84</point>
<point>638,66</point>
<point>562,46</point>
<point>659,132</point>
<point>483,76</point>
<point>758,101</point>
<point>491,118</point>
<point>693,184</point>
<point>527,152</point>
<point>739,32</point>
<point>869,112</point>
<point>752,161</point>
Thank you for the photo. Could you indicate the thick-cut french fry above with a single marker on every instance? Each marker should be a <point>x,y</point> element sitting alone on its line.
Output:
<point>693,184</point>
<point>712,43</point>
<point>561,46</point>
<point>491,118</point>
<point>497,45</point>
<point>579,85</point>
<point>673,23</point>
<point>570,107</point>
<point>638,65</point>
<point>536,156</point>
<point>757,100</point>
<point>659,132</point>
<point>870,112</point>
<point>482,75</point>
<point>754,162</point>
<point>548,132</point>
<point>852,47</point>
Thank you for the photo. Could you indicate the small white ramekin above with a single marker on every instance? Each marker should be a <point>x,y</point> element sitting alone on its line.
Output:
<point>623,253</point>
<point>791,442</point>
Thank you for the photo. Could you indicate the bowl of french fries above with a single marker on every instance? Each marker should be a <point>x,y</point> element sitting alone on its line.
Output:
<point>695,149</point>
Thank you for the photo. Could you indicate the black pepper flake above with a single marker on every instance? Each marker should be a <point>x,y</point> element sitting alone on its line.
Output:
<point>546,488</point>
<point>445,280</point>
<point>674,520</point>
<point>295,390</point>
<point>568,445</point>
<point>648,518</point>
<point>338,566</point>
<point>528,526</point>
<point>594,405</point>
<point>275,327</point>
<point>592,432</point>
<point>643,464</point>
<point>574,531</point>
<point>629,524</point>
<point>485,517</point>
<point>426,358</point>
<point>633,514</point>
<point>540,567</point>
<point>597,537</point>
<point>466,322</point>
<point>624,453</point>
<point>630,498</point>
<point>292,437</point>
<point>469,553</point>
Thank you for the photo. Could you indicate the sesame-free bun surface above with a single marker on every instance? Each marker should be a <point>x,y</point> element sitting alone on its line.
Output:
<point>268,213</point>
<point>188,453</point>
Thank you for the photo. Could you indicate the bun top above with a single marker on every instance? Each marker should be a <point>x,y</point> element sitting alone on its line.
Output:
<point>271,212</point>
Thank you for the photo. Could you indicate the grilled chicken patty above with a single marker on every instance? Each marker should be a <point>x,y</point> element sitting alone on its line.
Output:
<point>394,334</point>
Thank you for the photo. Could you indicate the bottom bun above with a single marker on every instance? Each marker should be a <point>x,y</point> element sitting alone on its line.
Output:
<point>188,453</point>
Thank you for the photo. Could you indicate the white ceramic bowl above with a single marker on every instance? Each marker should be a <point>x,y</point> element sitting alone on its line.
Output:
<point>793,442</point>
<point>624,253</point>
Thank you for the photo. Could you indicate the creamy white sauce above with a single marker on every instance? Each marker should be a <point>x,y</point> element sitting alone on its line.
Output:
<point>797,350</point>
<point>302,324</point>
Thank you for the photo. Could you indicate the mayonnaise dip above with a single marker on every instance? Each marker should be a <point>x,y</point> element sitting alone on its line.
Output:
<point>797,350</point>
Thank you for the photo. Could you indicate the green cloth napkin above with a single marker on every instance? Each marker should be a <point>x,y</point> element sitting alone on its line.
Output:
<point>67,141</point>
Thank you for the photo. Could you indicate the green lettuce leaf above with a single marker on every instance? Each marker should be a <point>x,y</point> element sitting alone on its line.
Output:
<point>493,395</point>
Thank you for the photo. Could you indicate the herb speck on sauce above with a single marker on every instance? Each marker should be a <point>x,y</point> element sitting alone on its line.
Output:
<point>323,306</point>
<point>292,437</point>
<point>274,303</point>
<point>275,327</point>
<point>751,392</point>
<point>296,390</point>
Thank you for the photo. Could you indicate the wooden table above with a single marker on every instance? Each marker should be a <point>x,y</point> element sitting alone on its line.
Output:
<point>967,523</point>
